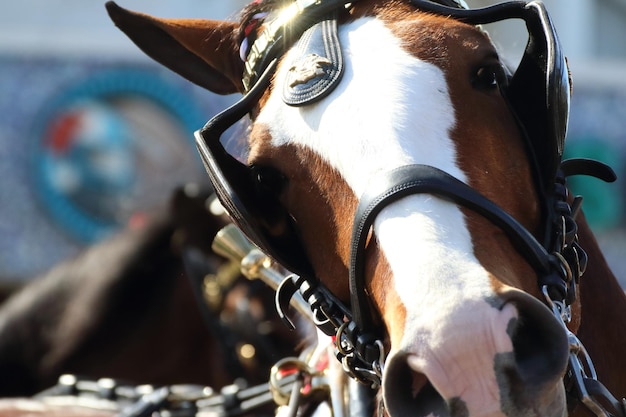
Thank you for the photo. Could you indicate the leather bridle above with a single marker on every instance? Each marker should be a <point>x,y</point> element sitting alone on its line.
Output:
<point>558,259</point>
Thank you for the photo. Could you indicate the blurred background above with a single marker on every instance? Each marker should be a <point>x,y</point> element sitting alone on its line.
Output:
<point>94,135</point>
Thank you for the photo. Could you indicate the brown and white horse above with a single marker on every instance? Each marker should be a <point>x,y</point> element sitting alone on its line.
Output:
<point>456,304</point>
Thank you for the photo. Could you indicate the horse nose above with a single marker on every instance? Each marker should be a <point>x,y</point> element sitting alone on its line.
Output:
<point>540,342</point>
<point>524,381</point>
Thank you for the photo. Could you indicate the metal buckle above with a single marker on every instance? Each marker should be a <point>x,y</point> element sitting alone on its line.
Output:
<point>565,267</point>
<point>577,371</point>
<point>305,383</point>
<point>559,309</point>
<point>354,366</point>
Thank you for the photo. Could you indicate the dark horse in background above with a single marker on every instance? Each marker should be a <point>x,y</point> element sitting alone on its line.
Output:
<point>128,308</point>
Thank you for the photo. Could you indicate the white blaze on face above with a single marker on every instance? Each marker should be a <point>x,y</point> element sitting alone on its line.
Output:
<point>392,109</point>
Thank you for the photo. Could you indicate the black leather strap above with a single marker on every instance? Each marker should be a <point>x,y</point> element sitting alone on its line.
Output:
<point>260,216</point>
<point>489,14</point>
<point>538,92</point>
<point>423,179</point>
<point>590,167</point>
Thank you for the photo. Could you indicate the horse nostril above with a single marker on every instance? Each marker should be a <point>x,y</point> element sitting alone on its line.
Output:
<point>540,345</point>
<point>407,392</point>
<point>419,381</point>
<point>510,357</point>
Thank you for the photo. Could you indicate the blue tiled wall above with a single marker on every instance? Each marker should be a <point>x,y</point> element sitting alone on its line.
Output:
<point>31,91</point>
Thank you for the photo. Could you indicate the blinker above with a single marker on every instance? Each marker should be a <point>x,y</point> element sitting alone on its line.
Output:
<point>259,215</point>
<point>539,90</point>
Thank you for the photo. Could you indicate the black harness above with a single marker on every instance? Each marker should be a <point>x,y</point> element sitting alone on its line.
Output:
<point>181,400</point>
<point>542,113</point>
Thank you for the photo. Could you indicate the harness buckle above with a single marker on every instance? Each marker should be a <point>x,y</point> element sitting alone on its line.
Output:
<point>379,365</point>
<point>292,381</point>
<point>565,267</point>
<point>559,308</point>
<point>581,373</point>
<point>578,375</point>
<point>355,356</point>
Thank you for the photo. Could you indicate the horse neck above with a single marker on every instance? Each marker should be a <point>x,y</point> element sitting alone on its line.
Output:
<point>603,323</point>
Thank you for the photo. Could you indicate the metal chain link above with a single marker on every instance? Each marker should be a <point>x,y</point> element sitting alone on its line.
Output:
<point>580,366</point>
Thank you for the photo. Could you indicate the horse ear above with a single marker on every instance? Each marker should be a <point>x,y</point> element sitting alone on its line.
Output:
<point>203,51</point>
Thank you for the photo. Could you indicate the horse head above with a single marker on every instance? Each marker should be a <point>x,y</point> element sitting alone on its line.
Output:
<point>400,169</point>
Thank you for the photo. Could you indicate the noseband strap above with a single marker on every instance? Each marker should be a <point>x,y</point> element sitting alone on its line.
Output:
<point>423,179</point>
<point>558,271</point>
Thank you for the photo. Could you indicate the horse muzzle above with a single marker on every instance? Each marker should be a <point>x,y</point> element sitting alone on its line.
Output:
<point>511,364</point>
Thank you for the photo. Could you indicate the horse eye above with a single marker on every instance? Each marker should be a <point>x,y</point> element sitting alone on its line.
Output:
<point>269,179</point>
<point>488,77</point>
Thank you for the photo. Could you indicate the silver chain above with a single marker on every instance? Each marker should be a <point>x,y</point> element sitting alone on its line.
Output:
<point>580,363</point>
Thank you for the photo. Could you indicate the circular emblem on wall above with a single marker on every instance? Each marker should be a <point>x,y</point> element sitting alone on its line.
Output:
<point>111,148</point>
